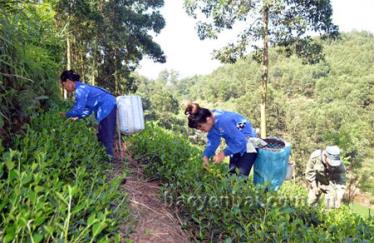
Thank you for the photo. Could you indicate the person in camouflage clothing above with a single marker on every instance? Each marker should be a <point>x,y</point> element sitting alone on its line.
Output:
<point>325,173</point>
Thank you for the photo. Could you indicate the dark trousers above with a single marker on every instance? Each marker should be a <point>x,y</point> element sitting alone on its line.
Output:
<point>244,163</point>
<point>107,131</point>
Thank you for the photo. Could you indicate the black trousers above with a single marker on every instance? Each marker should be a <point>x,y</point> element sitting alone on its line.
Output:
<point>107,131</point>
<point>243,162</point>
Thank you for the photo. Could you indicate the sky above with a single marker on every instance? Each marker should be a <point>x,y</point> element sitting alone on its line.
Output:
<point>189,56</point>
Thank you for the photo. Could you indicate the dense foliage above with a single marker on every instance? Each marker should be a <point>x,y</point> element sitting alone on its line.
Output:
<point>54,186</point>
<point>309,105</point>
<point>102,40</point>
<point>218,207</point>
<point>160,102</point>
<point>29,57</point>
<point>287,25</point>
<point>107,39</point>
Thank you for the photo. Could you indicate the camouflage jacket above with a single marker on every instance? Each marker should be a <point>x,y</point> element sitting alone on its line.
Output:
<point>321,174</point>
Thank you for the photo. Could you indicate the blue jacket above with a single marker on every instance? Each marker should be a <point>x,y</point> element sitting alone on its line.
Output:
<point>90,99</point>
<point>234,128</point>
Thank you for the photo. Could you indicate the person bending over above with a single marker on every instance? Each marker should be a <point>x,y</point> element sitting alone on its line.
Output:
<point>89,99</point>
<point>233,127</point>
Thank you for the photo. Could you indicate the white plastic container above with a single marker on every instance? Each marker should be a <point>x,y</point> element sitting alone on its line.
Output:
<point>130,114</point>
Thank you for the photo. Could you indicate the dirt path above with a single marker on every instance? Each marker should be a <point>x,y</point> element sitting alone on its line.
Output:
<point>154,222</point>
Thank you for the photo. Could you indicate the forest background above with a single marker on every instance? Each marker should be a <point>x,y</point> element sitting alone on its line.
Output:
<point>310,106</point>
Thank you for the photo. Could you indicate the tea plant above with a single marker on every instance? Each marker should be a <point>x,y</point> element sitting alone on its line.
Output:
<point>53,186</point>
<point>218,207</point>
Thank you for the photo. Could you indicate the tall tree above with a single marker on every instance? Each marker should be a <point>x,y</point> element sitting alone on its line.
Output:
<point>76,21</point>
<point>110,37</point>
<point>286,24</point>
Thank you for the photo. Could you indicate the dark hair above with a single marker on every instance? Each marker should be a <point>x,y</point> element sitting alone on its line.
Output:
<point>69,74</point>
<point>196,114</point>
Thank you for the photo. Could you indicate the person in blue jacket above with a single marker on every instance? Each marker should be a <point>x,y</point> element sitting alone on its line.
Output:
<point>233,127</point>
<point>89,99</point>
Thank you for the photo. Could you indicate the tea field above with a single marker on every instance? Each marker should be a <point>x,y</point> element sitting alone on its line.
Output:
<point>216,207</point>
<point>54,186</point>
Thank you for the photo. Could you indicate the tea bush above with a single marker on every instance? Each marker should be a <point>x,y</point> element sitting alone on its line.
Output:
<point>53,186</point>
<point>218,207</point>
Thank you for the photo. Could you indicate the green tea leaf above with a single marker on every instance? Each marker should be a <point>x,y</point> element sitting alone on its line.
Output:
<point>98,227</point>
<point>91,219</point>
<point>61,197</point>
<point>37,237</point>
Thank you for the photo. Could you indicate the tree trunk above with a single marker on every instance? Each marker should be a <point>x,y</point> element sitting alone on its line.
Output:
<point>68,61</point>
<point>116,74</point>
<point>265,18</point>
<point>93,67</point>
<point>82,64</point>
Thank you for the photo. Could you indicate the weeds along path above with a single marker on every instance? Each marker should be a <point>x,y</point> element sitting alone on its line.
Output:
<point>153,221</point>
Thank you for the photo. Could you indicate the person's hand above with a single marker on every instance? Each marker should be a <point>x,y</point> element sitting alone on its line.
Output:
<point>219,157</point>
<point>205,162</point>
<point>73,118</point>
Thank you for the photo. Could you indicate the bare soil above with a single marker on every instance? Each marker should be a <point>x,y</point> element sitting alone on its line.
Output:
<point>153,221</point>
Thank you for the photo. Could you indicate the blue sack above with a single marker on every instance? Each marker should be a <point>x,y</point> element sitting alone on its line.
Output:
<point>271,164</point>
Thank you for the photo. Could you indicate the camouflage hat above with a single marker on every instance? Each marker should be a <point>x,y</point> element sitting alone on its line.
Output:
<point>333,155</point>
